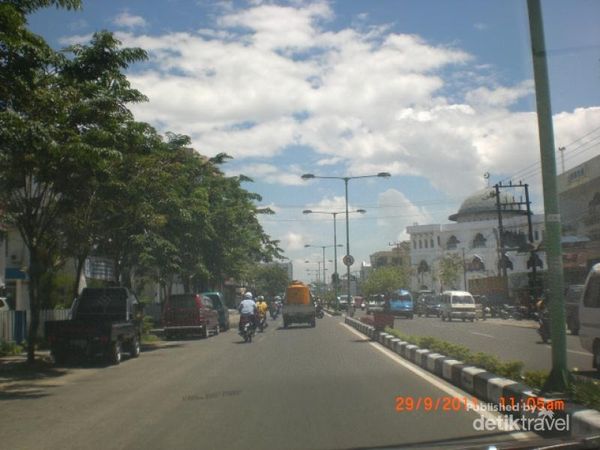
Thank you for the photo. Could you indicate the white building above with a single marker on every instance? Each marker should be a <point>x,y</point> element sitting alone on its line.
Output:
<point>474,234</point>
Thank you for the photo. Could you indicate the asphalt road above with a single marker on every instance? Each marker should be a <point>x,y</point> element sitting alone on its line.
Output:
<point>507,339</point>
<point>325,387</point>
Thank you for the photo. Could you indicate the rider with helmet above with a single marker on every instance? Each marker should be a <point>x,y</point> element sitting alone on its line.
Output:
<point>262,307</point>
<point>248,310</point>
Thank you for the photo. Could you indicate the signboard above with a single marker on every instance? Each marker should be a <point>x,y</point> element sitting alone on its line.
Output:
<point>348,260</point>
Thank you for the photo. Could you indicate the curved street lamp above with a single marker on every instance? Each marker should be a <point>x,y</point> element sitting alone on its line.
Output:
<point>310,176</point>
<point>323,247</point>
<point>334,214</point>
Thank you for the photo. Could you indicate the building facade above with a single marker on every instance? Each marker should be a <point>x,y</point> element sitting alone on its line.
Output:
<point>579,201</point>
<point>473,237</point>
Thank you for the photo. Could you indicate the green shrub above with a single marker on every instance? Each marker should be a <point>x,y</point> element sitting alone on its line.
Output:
<point>535,378</point>
<point>586,393</point>
<point>10,348</point>
<point>510,369</point>
<point>147,325</point>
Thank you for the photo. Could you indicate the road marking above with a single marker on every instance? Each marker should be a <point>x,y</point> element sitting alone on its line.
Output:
<point>435,381</point>
<point>482,334</point>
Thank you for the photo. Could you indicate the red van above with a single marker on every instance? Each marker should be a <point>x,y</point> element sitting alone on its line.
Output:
<point>190,314</point>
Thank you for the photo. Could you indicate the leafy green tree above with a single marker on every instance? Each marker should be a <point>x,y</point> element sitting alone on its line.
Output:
<point>451,266</point>
<point>269,280</point>
<point>47,141</point>
<point>385,280</point>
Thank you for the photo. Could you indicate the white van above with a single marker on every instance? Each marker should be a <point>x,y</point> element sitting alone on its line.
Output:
<point>457,305</point>
<point>589,315</point>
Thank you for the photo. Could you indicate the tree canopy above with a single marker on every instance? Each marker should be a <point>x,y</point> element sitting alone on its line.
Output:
<point>79,176</point>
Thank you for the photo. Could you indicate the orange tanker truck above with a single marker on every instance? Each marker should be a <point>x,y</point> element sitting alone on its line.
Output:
<point>298,306</point>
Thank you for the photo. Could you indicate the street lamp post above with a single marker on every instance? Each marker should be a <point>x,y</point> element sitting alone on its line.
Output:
<point>323,247</point>
<point>335,280</point>
<point>348,260</point>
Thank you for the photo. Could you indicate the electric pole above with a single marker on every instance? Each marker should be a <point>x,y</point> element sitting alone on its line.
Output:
<point>560,377</point>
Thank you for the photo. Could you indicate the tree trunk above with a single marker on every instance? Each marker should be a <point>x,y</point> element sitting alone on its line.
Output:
<point>34,309</point>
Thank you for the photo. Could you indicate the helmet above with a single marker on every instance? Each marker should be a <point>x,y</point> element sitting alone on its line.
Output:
<point>248,295</point>
<point>260,298</point>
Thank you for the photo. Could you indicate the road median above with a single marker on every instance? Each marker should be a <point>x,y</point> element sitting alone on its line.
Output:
<point>519,402</point>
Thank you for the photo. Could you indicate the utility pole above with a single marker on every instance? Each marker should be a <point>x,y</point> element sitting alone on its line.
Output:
<point>464,270</point>
<point>560,377</point>
<point>562,158</point>
<point>533,283</point>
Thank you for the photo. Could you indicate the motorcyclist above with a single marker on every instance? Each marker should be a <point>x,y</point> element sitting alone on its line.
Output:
<point>248,310</point>
<point>262,307</point>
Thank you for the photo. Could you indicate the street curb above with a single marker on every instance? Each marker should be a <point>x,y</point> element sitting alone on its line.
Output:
<point>483,385</point>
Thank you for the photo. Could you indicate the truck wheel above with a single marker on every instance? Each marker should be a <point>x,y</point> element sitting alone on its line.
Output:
<point>135,350</point>
<point>285,323</point>
<point>216,330</point>
<point>115,352</point>
<point>204,333</point>
<point>313,323</point>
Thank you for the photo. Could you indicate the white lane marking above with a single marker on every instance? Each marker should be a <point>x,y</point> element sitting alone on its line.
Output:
<point>549,347</point>
<point>482,334</point>
<point>442,385</point>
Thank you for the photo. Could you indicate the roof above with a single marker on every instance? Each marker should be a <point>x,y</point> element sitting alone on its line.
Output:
<point>483,203</point>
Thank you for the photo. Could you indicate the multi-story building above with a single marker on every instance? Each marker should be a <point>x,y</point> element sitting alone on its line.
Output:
<point>579,200</point>
<point>398,256</point>
<point>473,236</point>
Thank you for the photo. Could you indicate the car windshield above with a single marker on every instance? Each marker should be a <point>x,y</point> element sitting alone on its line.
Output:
<point>463,299</point>
<point>417,181</point>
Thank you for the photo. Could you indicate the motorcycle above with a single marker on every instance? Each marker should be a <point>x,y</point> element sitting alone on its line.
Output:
<point>544,328</point>
<point>262,322</point>
<point>246,329</point>
<point>319,313</point>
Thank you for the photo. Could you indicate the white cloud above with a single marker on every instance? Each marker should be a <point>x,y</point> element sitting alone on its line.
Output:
<point>396,212</point>
<point>266,77</point>
<point>130,21</point>
<point>268,173</point>
<point>293,241</point>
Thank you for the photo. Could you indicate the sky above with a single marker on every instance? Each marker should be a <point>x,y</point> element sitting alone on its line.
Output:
<point>437,93</point>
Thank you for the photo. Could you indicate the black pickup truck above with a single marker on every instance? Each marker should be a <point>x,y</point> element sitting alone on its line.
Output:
<point>105,322</point>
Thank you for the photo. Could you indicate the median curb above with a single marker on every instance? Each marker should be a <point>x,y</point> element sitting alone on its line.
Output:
<point>486,386</point>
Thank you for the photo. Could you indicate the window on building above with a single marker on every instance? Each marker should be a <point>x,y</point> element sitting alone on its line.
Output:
<point>439,242</point>
<point>415,244</point>
<point>431,242</point>
<point>479,241</point>
<point>420,243</point>
<point>536,235</point>
<point>452,243</point>
<point>426,243</point>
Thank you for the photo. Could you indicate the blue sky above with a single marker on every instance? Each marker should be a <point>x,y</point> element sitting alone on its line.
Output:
<point>435,92</point>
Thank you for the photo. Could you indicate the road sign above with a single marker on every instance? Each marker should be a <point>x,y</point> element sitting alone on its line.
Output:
<point>348,260</point>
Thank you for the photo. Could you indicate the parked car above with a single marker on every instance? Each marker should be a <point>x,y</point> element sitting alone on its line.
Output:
<point>105,322</point>
<point>458,305</point>
<point>401,304</point>
<point>572,299</point>
<point>589,315</point>
<point>219,305</point>
<point>190,314</point>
